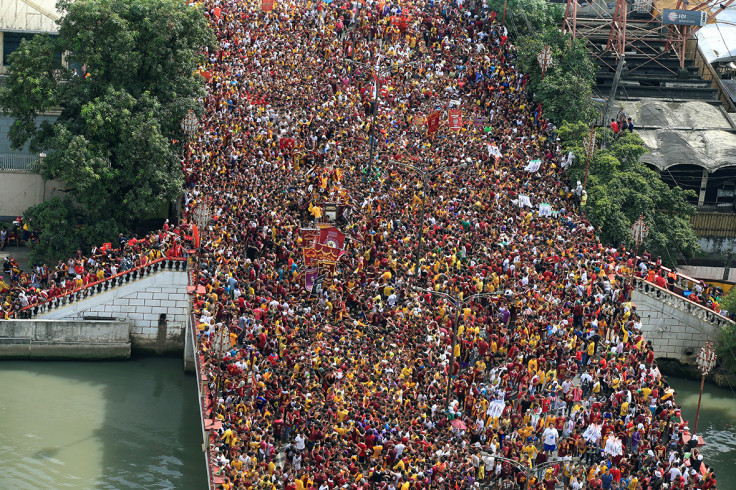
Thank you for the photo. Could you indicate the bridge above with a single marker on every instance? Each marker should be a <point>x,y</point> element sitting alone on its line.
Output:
<point>152,299</point>
<point>676,326</point>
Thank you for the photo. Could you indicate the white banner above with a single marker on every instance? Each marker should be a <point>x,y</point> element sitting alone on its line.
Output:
<point>614,447</point>
<point>592,433</point>
<point>493,151</point>
<point>545,209</point>
<point>524,201</point>
<point>533,165</point>
<point>567,161</point>
<point>495,408</point>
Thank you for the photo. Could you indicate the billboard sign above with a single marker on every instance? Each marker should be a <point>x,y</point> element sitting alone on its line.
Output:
<point>684,17</point>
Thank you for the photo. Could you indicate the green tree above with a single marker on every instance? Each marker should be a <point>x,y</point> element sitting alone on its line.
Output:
<point>565,90</point>
<point>527,17</point>
<point>728,302</point>
<point>117,139</point>
<point>620,189</point>
<point>726,346</point>
<point>725,349</point>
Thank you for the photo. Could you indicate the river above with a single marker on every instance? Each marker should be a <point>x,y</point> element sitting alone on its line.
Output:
<point>99,425</point>
<point>135,424</point>
<point>717,425</point>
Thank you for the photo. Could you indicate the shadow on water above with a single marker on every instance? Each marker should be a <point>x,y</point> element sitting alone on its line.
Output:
<point>53,452</point>
<point>150,433</point>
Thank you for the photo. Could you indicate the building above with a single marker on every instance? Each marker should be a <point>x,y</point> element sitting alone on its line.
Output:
<point>660,75</point>
<point>21,185</point>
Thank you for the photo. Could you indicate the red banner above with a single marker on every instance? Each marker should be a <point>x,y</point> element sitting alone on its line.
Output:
<point>308,236</point>
<point>455,119</point>
<point>331,237</point>
<point>321,255</point>
<point>267,5</point>
<point>310,256</point>
<point>433,122</point>
<point>195,232</point>
<point>325,253</point>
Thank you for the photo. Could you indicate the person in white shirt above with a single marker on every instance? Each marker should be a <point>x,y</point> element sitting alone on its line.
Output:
<point>299,442</point>
<point>550,436</point>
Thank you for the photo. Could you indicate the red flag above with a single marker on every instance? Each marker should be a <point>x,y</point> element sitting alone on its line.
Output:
<point>310,256</point>
<point>455,119</point>
<point>195,232</point>
<point>217,11</point>
<point>308,236</point>
<point>433,122</point>
<point>331,237</point>
<point>267,5</point>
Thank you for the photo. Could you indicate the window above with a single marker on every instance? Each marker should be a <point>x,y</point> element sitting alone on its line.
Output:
<point>11,42</point>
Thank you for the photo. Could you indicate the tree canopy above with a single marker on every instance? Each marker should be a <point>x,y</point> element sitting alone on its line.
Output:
<point>527,17</point>
<point>620,188</point>
<point>117,139</point>
<point>565,90</point>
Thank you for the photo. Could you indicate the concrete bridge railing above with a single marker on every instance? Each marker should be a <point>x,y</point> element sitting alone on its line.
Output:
<point>153,298</point>
<point>177,264</point>
<point>676,326</point>
<point>681,303</point>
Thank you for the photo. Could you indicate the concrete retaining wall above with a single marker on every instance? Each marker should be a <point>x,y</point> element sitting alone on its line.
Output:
<point>157,307</point>
<point>21,190</point>
<point>717,245</point>
<point>44,339</point>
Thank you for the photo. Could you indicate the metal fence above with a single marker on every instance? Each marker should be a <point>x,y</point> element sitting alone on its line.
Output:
<point>19,162</point>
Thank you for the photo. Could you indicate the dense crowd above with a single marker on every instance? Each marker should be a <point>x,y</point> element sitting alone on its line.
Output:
<point>552,383</point>
<point>22,289</point>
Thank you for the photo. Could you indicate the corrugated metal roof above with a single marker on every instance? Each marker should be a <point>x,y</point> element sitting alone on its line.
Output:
<point>676,133</point>
<point>29,16</point>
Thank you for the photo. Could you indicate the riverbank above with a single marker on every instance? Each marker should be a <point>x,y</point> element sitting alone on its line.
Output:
<point>673,367</point>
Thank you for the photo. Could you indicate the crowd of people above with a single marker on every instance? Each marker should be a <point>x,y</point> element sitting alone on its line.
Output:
<point>21,289</point>
<point>551,383</point>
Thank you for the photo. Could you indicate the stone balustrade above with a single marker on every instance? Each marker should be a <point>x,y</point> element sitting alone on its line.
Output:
<point>176,264</point>
<point>681,303</point>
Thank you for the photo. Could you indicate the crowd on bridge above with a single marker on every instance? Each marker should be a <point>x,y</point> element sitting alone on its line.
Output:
<point>22,290</point>
<point>551,382</point>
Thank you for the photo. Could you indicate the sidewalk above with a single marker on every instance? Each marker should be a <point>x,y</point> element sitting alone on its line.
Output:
<point>20,254</point>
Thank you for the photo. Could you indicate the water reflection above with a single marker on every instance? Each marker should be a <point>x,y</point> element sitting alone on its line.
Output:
<point>99,425</point>
<point>717,425</point>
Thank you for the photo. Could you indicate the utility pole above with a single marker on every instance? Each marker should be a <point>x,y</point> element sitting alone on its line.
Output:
<point>706,362</point>
<point>589,146</point>
<point>377,73</point>
<point>458,303</point>
<point>727,268</point>
<point>426,174</point>
<point>614,86</point>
